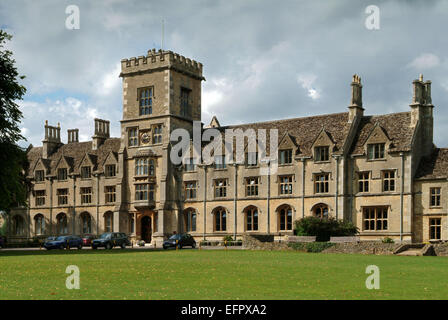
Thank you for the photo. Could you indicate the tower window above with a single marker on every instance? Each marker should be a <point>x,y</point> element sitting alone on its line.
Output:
<point>133,137</point>
<point>157,134</point>
<point>145,102</point>
<point>184,105</point>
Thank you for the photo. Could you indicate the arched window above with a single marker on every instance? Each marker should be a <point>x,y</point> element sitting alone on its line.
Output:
<point>61,223</point>
<point>321,211</point>
<point>18,225</point>
<point>251,218</point>
<point>86,223</point>
<point>108,222</point>
<point>220,216</point>
<point>39,224</point>
<point>190,220</point>
<point>285,218</point>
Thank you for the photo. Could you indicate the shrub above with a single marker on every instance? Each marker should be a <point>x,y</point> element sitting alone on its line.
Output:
<point>314,247</point>
<point>387,240</point>
<point>323,229</point>
<point>227,238</point>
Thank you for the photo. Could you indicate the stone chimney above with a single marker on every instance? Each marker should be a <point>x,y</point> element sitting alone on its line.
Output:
<point>72,135</point>
<point>102,132</point>
<point>52,139</point>
<point>422,113</point>
<point>355,108</point>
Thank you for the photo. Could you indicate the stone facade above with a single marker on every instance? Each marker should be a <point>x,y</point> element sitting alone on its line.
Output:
<point>373,170</point>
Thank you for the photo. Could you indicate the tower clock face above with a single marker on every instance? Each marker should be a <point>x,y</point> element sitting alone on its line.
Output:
<point>145,138</point>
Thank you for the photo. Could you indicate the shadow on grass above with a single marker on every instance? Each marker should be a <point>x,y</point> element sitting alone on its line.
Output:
<point>44,252</point>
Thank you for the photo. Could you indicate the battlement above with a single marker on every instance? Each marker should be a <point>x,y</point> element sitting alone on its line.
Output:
<point>161,60</point>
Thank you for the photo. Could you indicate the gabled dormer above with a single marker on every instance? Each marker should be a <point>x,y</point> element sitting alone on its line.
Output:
<point>63,167</point>
<point>323,146</point>
<point>87,166</point>
<point>287,148</point>
<point>377,143</point>
<point>40,170</point>
<point>110,165</point>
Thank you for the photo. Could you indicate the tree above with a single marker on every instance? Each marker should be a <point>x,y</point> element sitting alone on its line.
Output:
<point>13,158</point>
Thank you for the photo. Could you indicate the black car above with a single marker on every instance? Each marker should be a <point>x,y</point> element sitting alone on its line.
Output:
<point>109,240</point>
<point>181,240</point>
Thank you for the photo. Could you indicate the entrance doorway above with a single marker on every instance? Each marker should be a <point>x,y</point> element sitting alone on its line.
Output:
<point>146,229</point>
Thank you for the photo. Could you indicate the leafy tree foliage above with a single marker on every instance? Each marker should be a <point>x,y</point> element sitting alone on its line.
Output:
<point>323,229</point>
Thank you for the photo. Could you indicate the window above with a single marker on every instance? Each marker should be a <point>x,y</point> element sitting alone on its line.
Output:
<point>110,170</point>
<point>62,174</point>
<point>18,225</point>
<point>285,156</point>
<point>220,188</point>
<point>39,175</point>
<point>252,186</point>
<point>190,190</point>
<point>321,153</point>
<point>251,159</point>
<point>145,101</point>
<point>40,198</point>
<point>321,183</point>
<point>363,181</point>
<point>285,185</point>
<point>62,196</point>
<point>108,222</point>
<point>157,134</point>
<point>86,173</point>
<point>375,151</point>
<point>184,105</point>
<point>285,218</point>
<point>141,192</point>
<point>220,162</point>
<point>220,219</point>
<point>321,211</point>
<point>375,218</point>
<point>110,194</point>
<point>86,223</point>
<point>252,219</point>
<point>152,168</point>
<point>133,137</point>
<point>39,224</point>
<point>435,197</point>
<point>86,195</point>
<point>189,165</point>
<point>151,191</point>
<point>190,220</point>
<point>435,227</point>
<point>131,222</point>
<point>389,180</point>
<point>61,223</point>
<point>141,167</point>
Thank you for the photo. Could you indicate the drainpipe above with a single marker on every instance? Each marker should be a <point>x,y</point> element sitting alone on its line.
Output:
<point>268,198</point>
<point>205,199</point>
<point>401,196</point>
<point>336,194</point>
<point>235,199</point>
<point>51,207</point>
<point>303,187</point>
<point>98,202</point>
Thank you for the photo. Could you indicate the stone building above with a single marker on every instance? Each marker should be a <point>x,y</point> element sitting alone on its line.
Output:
<point>381,172</point>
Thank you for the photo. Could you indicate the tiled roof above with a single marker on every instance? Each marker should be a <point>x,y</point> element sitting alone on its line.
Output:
<point>434,166</point>
<point>397,127</point>
<point>75,152</point>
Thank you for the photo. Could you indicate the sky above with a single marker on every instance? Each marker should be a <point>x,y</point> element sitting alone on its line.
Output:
<point>263,60</point>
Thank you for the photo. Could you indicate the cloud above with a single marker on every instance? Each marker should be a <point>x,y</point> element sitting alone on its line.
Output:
<point>425,61</point>
<point>307,81</point>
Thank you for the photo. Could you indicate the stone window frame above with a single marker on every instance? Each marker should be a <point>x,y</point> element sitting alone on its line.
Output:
<point>86,195</point>
<point>287,159</point>
<point>220,189</point>
<point>251,164</point>
<point>133,134</point>
<point>190,190</point>
<point>39,175</point>
<point>184,102</point>
<point>321,184</point>
<point>251,224</point>
<point>388,179</point>
<point>221,164</point>
<point>62,195</point>
<point>322,154</point>
<point>157,131</point>
<point>62,174</point>
<point>110,194</point>
<point>189,165</point>
<point>39,224</point>
<point>285,185</point>
<point>284,217</point>
<point>190,217</point>
<point>220,215</point>
<point>375,221</point>
<point>141,192</point>
<point>149,99</point>
<point>435,227</point>
<point>86,172</point>
<point>363,181</point>
<point>251,186</point>
<point>110,170</point>
<point>435,197</point>
<point>376,151</point>
<point>39,197</point>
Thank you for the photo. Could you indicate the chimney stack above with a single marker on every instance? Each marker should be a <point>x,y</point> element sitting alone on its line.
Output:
<point>355,107</point>
<point>102,132</point>
<point>73,135</point>
<point>52,139</point>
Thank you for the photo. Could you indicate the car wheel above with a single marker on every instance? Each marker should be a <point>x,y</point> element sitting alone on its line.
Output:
<point>123,245</point>
<point>165,247</point>
<point>108,246</point>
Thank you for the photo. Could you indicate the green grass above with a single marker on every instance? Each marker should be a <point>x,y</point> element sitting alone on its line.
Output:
<point>218,274</point>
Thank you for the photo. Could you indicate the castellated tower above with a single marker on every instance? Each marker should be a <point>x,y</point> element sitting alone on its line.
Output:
<point>161,92</point>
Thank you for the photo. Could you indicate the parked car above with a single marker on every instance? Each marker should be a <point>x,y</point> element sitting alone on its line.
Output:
<point>109,240</point>
<point>181,240</point>
<point>3,241</point>
<point>87,240</point>
<point>63,242</point>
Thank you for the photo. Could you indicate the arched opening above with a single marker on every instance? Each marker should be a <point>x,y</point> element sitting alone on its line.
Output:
<point>39,224</point>
<point>220,219</point>
<point>61,223</point>
<point>146,230</point>
<point>251,217</point>
<point>284,218</point>
<point>18,225</point>
<point>320,211</point>
<point>86,223</point>
<point>108,221</point>
<point>190,217</point>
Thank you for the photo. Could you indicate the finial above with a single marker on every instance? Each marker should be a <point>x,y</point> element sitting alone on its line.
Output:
<point>59,125</point>
<point>421,77</point>
<point>46,122</point>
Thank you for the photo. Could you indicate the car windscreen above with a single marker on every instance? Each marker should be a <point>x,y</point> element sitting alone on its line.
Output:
<point>175,237</point>
<point>105,236</point>
<point>60,238</point>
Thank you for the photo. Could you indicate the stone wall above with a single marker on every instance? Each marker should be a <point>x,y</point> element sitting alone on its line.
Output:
<point>252,243</point>
<point>441,249</point>
<point>366,247</point>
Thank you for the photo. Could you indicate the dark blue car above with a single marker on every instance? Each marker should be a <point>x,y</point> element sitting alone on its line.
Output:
<point>63,242</point>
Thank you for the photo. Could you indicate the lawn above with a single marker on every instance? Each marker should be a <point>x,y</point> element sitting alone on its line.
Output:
<point>218,274</point>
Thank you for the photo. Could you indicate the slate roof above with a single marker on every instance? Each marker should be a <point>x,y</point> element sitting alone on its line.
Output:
<point>74,154</point>
<point>434,166</point>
